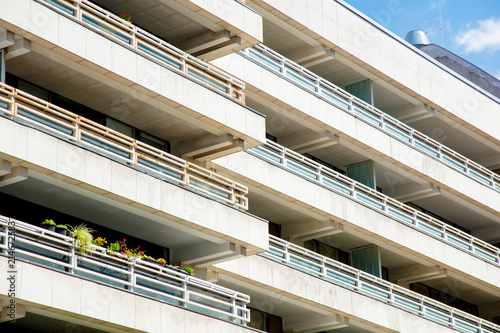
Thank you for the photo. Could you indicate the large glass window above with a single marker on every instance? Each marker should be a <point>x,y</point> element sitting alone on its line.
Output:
<point>362,90</point>
<point>363,173</point>
<point>367,259</point>
<point>2,66</point>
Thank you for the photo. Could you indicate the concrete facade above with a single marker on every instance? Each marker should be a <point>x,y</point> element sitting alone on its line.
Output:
<point>78,84</point>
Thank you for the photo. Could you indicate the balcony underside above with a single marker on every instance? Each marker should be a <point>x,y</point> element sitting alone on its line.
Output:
<point>283,198</point>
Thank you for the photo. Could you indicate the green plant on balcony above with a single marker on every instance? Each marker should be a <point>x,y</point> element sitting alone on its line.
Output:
<point>122,248</point>
<point>99,241</point>
<point>188,270</point>
<point>83,236</point>
<point>127,18</point>
<point>162,261</point>
<point>62,229</point>
<point>49,224</point>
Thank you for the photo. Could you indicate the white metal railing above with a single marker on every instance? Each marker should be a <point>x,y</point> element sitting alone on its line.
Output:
<point>379,202</point>
<point>148,45</point>
<point>358,281</point>
<point>50,249</point>
<point>26,108</point>
<point>348,103</point>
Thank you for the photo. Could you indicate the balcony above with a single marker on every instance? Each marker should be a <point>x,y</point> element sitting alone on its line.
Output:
<point>27,109</point>
<point>345,186</point>
<point>155,49</point>
<point>368,285</point>
<point>370,115</point>
<point>57,252</point>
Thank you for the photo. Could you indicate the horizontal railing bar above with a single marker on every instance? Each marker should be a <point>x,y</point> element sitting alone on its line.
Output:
<point>393,292</point>
<point>490,180</point>
<point>387,204</point>
<point>101,258</point>
<point>114,27</point>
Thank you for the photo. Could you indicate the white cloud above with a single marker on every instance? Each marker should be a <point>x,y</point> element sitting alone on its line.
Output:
<point>484,37</point>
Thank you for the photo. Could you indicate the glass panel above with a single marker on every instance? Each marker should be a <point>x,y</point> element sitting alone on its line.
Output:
<point>300,79</point>
<point>34,90</point>
<point>375,291</point>
<point>4,105</point>
<point>174,174</point>
<point>369,201</point>
<point>400,216</point>
<point>106,29</point>
<point>208,81</point>
<point>465,326</point>
<point>120,127</point>
<point>426,227</point>
<point>105,146</point>
<point>159,56</point>
<point>332,97</point>
<point>264,60</point>
<point>301,169</point>
<point>43,121</point>
<point>367,259</point>
<point>209,188</point>
<point>437,315</point>
<point>60,6</point>
<point>453,163</point>
<point>397,132</point>
<point>406,303</point>
<point>479,177</point>
<point>266,154</point>
<point>276,253</point>
<point>2,66</point>
<point>485,255</point>
<point>303,263</point>
<point>331,183</point>
<point>328,251</point>
<point>367,116</point>
<point>340,278</point>
<point>425,147</point>
<point>459,242</point>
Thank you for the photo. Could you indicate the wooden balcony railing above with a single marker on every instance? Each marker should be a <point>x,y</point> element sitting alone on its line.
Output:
<point>52,250</point>
<point>148,45</point>
<point>48,117</point>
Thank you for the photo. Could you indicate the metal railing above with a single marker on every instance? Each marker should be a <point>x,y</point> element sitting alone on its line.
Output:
<point>369,114</point>
<point>338,183</point>
<point>148,45</point>
<point>47,117</point>
<point>49,249</point>
<point>366,284</point>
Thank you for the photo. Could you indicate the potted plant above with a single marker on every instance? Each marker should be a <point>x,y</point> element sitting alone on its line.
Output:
<point>188,270</point>
<point>122,248</point>
<point>61,229</point>
<point>127,18</point>
<point>99,241</point>
<point>49,225</point>
<point>83,236</point>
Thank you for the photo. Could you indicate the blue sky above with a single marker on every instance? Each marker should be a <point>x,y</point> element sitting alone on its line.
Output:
<point>471,28</point>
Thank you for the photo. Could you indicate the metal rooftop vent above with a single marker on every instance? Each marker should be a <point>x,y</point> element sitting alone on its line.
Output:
<point>417,38</point>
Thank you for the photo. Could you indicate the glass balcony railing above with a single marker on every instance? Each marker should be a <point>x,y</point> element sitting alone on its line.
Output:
<point>50,118</point>
<point>52,250</point>
<point>361,110</point>
<point>366,284</point>
<point>338,183</point>
<point>148,45</point>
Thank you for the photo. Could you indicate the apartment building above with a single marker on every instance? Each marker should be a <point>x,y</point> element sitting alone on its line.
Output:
<point>317,172</point>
